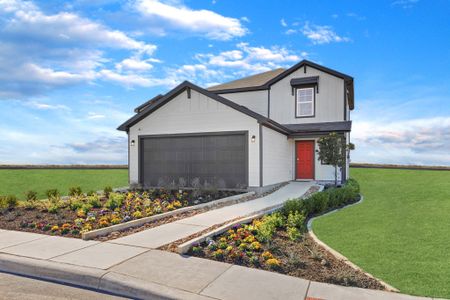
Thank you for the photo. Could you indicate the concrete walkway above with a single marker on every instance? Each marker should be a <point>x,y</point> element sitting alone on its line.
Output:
<point>131,267</point>
<point>158,236</point>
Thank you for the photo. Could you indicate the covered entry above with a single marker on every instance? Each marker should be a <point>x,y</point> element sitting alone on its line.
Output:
<point>218,158</point>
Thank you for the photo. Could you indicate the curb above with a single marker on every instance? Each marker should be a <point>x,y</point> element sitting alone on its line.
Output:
<point>338,255</point>
<point>135,223</point>
<point>90,278</point>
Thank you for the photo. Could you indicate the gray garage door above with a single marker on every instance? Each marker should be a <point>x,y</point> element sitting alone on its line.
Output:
<point>219,159</point>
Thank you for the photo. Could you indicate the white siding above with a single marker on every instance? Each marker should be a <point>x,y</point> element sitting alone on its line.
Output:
<point>254,100</point>
<point>329,106</point>
<point>277,157</point>
<point>198,114</point>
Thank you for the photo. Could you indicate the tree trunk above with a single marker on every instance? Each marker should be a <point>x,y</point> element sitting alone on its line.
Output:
<point>335,176</point>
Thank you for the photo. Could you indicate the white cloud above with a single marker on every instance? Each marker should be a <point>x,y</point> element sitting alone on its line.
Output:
<point>423,141</point>
<point>318,34</point>
<point>405,3</point>
<point>95,116</point>
<point>283,23</point>
<point>290,31</point>
<point>251,59</point>
<point>46,106</point>
<point>40,52</point>
<point>179,17</point>
<point>134,64</point>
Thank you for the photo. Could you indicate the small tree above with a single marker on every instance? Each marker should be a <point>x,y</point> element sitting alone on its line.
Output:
<point>333,151</point>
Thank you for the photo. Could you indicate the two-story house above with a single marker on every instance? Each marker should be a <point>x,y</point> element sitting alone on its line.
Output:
<point>249,133</point>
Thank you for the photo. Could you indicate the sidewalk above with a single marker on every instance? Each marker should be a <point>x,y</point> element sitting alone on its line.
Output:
<point>131,267</point>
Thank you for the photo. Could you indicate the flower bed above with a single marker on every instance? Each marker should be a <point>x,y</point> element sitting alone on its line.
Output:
<point>277,242</point>
<point>82,213</point>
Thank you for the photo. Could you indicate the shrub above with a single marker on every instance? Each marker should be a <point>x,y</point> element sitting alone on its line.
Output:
<point>75,205</point>
<point>353,184</point>
<point>91,193</point>
<point>86,208</point>
<point>11,201</point>
<point>52,208</point>
<point>319,202</point>
<point>267,227</point>
<point>52,193</point>
<point>296,220</point>
<point>292,205</point>
<point>293,233</point>
<point>75,191</point>
<point>94,201</point>
<point>107,190</point>
<point>115,200</point>
<point>31,196</point>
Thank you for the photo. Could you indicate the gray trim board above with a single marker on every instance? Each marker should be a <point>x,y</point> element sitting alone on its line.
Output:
<point>261,159</point>
<point>342,126</point>
<point>147,103</point>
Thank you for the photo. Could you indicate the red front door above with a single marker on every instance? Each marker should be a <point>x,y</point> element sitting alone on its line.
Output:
<point>305,159</point>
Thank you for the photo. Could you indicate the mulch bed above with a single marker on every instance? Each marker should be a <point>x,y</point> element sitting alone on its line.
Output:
<point>40,220</point>
<point>305,259</point>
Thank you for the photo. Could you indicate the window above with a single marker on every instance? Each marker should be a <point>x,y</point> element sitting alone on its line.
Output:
<point>305,102</point>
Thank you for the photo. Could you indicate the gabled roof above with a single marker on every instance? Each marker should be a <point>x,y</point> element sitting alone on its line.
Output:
<point>254,81</point>
<point>154,105</point>
<point>250,84</point>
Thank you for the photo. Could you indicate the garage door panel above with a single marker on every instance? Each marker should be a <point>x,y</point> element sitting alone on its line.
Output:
<point>208,157</point>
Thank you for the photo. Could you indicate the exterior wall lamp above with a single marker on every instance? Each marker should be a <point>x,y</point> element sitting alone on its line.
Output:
<point>253,138</point>
<point>132,143</point>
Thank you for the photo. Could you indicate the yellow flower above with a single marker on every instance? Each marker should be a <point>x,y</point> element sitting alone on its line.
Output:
<point>177,204</point>
<point>65,226</point>
<point>81,213</point>
<point>229,248</point>
<point>223,240</point>
<point>137,214</point>
<point>249,239</point>
<point>115,220</point>
<point>55,228</point>
<point>273,262</point>
<point>243,246</point>
<point>267,255</point>
<point>255,246</point>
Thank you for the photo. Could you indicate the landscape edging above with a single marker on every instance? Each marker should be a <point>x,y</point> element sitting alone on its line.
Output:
<point>135,223</point>
<point>337,254</point>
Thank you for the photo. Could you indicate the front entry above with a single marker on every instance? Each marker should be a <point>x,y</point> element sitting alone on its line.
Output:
<point>304,159</point>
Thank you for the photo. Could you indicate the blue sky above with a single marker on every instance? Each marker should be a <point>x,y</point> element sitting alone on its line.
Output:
<point>72,71</point>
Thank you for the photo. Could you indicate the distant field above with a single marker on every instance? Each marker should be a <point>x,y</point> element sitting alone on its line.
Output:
<point>17,182</point>
<point>400,232</point>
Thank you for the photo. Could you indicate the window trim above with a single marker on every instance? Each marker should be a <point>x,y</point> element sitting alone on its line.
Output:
<point>313,87</point>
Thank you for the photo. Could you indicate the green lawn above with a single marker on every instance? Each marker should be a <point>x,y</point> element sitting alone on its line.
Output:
<point>400,232</point>
<point>17,182</point>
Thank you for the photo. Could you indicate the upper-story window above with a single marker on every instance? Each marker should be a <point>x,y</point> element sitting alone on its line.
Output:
<point>305,102</point>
